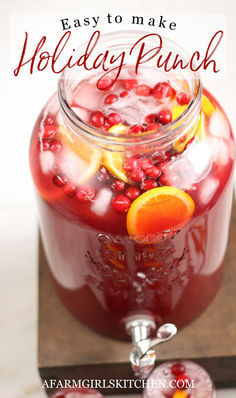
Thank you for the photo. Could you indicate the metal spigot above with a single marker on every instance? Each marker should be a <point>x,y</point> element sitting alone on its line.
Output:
<point>142,355</point>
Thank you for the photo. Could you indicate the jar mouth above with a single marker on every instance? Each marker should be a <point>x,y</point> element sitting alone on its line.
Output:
<point>166,133</point>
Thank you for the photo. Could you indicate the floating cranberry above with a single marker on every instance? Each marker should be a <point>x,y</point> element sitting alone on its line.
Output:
<point>164,116</point>
<point>55,146</point>
<point>85,193</point>
<point>177,368</point>
<point>132,192</point>
<point>143,90</point>
<point>44,145</point>
<point>131,164</point>
<point>49,120</point>
<point>121,203</point>
<point>114,118</point>
<point>59,180</point>
<point>152,126</point>
<point>129,84</point>
<point>137,175</point>
<point>145,163</point>
<point>97,119</point>
<point>170,178</point>
<point>153,172</point>
<point>182,98</point>
<point>124,94</point>
<point>104,83</point>
<point>47,131</point>
<point>151,118</point>
<point>104,175</point>
<point>148,184</point>
<point>160,157</point>
<point>136,129</point>
<point>162,91</point>
<point>70,189</point>
<point>182,381</point>
<point>118,185</point>
<point>110,99</point>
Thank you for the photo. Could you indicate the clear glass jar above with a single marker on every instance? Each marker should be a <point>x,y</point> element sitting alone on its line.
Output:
<point>133,223</point>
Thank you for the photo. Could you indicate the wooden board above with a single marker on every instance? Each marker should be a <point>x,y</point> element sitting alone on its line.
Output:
<point>68,349</point>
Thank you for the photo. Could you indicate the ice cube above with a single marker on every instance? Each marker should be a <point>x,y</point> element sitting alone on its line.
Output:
<point>47,161</point>
<point>88,97</point>
<point>199,156</point>
<point>223,156</point>
<point>81,113</point>
<point>218,126</point>
<point>208,189</point>
<point>102,201</point>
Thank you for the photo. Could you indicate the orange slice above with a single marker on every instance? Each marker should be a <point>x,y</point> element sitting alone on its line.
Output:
<point>200,132</point>
<point>159,213</point>
<point>180,394</point>
<point>88,158</point>
<point>113,161</point>
<point>207,107</point>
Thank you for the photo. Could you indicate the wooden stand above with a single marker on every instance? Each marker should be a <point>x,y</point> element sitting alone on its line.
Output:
<point>69,350</point>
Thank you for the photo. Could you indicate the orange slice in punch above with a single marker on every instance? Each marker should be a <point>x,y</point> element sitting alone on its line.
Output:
<point>158,214</point>
<point>207,107</point>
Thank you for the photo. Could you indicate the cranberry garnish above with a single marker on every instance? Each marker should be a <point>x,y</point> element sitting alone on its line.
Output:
<point>70,189</point>
<point>44,145</point>
<point>164,116</point>
<point>136,129</point>
<point>152,126</point>
<point>97,119</point>
<point>128,84</point>
<point>121,203</point>
<point>177,368</point>
<point>143,90</point>
<point>132,192</point>
<point>145,163</point>
<point>49,120</point>
<point>55,146</point>
<point>151,118</point>
<point>182,98</point>
<point>59,180</point>
<point>131,164</point>
<point>162,91</point>
<point>153,172</point>
<point>124,94</point>
<point>104,83</point>
<point>182,381</point>
<point>137,175</point>
<point>117,185</point>
<point>47,131</point>
<point>110,99</point>
<point>148,184</point>
<point>85,193</point>
<point>114,118</point>
<point>104,175</point>
<point>170,178</point>
<point>159,157</point>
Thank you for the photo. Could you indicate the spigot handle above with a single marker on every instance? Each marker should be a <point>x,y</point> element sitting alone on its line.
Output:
<point>163,334</point>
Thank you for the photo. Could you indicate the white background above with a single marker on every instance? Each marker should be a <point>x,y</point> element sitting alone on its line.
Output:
<point>21,100</point>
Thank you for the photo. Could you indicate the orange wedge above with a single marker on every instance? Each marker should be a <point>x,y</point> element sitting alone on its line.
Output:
<point>159,213</point>
<point>89,158</point>
<point>180,394</point>
<point>113,161</point>
<point>207,107</point>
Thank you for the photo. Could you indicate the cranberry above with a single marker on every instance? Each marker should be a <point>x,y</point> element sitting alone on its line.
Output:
<point>70,189</point>
<point>85,193</point>
<point>121,203</point>
<point>170,178</point>
<point>114,118</point>
<point>49,120</point>
<point>44,145</point>
<point>136,129</point>
<point>162,91</point>
<point>47,131</point>
<point>137,175</point>
<point>164,116</point>
<point>182,381</point>
<point>177,368</point>
<point>55,146</point>
<point>104,175</point>
<point>132,192</point>
<point>104,83</point>
<point>117,185</point>
<point>152,126</point>
<point>59,180</point>
<point>159,157</point>
<point>151,118</point>
<point>97,119</point>
<point>182,98</point>
<point>145,163</point>
<point>128,84</point>
<point>110,99</point>
<point>148,184</point>
<point>143,90</point>
<point>153,172</point>
<point>131,164</point>
<point>124,94</point>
